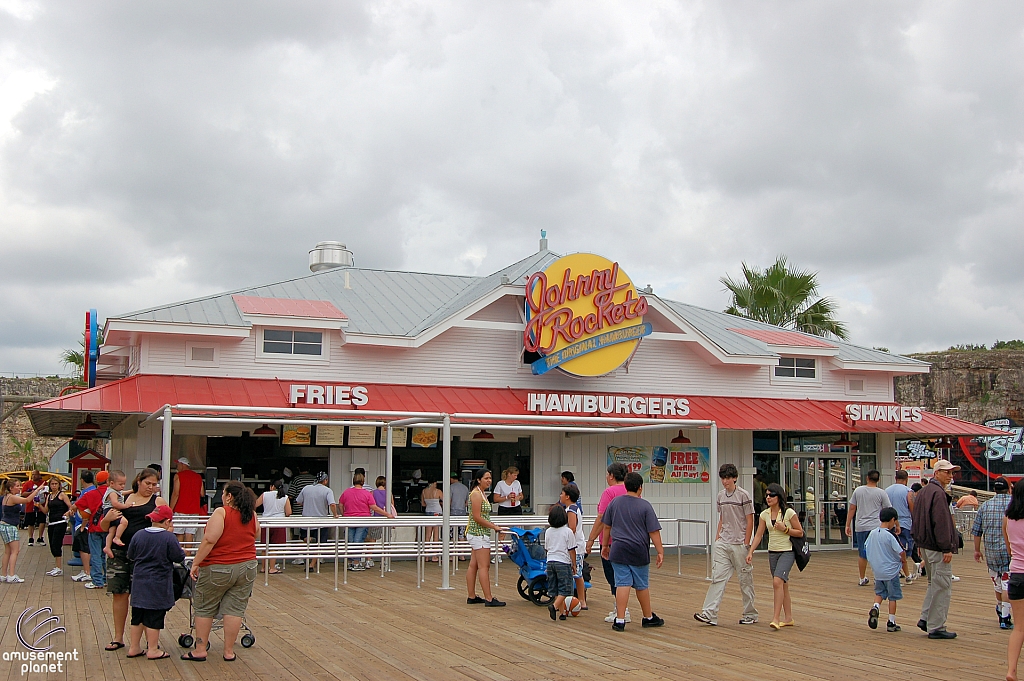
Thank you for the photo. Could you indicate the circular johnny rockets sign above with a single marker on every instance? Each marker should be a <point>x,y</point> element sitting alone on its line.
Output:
<point>584,316</point>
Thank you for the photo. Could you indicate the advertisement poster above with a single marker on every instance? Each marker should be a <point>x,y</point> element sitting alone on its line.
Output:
<point>296,435</point>
<point>362,436</point>
<point>330,436</point>
<point>424,437</point>
<point>673,464</point>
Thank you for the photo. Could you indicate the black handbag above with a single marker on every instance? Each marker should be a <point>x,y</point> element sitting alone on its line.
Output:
<point>801,551</point>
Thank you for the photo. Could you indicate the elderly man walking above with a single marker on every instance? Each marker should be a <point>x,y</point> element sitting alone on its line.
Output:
<point>937,539</point>
<point>988,526</point>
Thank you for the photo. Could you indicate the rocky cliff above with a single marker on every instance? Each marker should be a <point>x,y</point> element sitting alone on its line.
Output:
<point>982,384</point>
<point>18,426</point>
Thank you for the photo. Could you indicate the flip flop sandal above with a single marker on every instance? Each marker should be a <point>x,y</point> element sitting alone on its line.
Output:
<point>231,659</point>
<point>162,657</point>
<point>136,655</point>
<point>189,658</point>
<point>114,645</point>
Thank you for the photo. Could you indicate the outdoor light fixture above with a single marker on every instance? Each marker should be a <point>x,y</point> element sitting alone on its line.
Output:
<point>483,435</point>
<point>86,430</point>
<point>264,431</point>
<point>680,439</point>
<point>845,441</point>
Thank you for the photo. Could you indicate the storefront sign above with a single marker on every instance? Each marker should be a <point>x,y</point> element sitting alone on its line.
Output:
<point>1006,447</point>
<point>672,464</point>
<point>584,316</point>
<point>890,413</point>
<point>296,435</point>
<point>607,404</point>
<point>327,394</point>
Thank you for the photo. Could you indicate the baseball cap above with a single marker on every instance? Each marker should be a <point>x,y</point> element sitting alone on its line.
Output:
<point>102,477</point>
<point>943,465</point>
<point>1001,483</point>
<point>183,460</point>
<point>160,514</point>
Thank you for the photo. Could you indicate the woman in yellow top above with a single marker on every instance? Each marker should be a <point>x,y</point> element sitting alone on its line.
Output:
<point>478,534</point>
<point>782,523</point>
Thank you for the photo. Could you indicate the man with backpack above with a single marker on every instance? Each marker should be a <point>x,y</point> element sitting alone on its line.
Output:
<point>90,505</point>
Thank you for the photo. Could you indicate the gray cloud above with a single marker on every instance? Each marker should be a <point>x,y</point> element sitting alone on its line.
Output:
<point>181,149</point>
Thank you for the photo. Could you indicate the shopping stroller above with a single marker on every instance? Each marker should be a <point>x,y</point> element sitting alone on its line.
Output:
<point>184,587</point>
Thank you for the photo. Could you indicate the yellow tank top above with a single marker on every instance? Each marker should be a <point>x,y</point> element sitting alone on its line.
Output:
<point>778,541</point>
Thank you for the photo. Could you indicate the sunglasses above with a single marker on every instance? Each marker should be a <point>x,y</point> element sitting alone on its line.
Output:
<point>770,494</point>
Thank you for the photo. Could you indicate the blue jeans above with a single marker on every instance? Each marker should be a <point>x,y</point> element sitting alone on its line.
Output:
<point>97,561</point>
<point>357,535</point>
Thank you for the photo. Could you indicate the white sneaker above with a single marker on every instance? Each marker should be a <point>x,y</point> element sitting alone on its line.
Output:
<point>298,561</point>
<point>863,581</point>
<point>14,579</point>
<point>611,616</point>
<point>369,563</point>
<point>80,577</point>
<point>955,578</point>
<point>55,572</point>
<point>93,585</point>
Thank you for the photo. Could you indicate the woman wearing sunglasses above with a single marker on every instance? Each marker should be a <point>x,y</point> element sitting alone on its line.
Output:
<point>782,523</point>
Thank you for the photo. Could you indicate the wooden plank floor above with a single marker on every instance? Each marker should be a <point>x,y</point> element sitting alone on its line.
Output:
<point>377,629</point>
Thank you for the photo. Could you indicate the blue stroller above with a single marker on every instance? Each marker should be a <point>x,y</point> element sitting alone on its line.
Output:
<point>527,552</point>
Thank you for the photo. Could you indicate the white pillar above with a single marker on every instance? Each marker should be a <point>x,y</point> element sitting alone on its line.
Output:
<point>713,465</point>
<point>165,459</point>
<point>446,522</point>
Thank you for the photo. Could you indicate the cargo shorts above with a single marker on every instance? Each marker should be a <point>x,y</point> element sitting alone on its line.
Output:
<point>224,589</point>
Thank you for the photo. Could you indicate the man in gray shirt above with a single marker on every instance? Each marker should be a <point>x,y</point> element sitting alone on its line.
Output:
<point>460,504</point>
<point>866,503</point>
<point>317,502</point>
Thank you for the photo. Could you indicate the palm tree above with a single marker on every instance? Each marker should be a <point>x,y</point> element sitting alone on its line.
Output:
<point>27,453</point>
<point>782,295</point>
<point>76,358</point>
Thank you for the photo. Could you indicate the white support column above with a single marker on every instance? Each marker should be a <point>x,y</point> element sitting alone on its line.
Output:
<point>713,465</point>
<point>446,521</point>
<point>165,459</point>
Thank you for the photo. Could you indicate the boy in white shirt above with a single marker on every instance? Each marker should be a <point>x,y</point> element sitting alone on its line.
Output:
<point>560,543</point>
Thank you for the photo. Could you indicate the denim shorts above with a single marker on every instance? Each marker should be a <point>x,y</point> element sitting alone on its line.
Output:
<point>559,579</point>
<point>889,589</point>
<point>860,540</point>
<point>636,576</point>
<point>357,535</point>
<point>1015,586</point>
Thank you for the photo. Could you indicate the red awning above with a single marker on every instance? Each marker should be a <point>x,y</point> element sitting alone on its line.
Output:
<point>144,394</point>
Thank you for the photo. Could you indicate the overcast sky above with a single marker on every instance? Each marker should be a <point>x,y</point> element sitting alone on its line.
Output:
<point>152,152</point>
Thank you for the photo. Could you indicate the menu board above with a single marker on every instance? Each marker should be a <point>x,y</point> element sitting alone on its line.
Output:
<point>330,436</point>
<point>399,437</point>
<point>362,436</point>
<point>296,435</point>
<point>424,437</point>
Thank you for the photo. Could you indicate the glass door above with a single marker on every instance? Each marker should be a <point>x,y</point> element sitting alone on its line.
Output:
<point>817,488</point>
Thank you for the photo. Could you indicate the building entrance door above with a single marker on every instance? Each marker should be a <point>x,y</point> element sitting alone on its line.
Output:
<point>817,488</point>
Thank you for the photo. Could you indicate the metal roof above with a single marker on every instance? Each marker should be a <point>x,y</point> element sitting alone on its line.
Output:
<point>391,303</point>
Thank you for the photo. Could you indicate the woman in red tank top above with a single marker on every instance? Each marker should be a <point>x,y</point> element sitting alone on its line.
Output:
<point>225,569</point>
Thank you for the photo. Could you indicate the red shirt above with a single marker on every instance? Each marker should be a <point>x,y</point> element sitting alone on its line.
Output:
<point>237,543</point>
<point>88,504</point>
<point>357,502</point>
<point>190,493</point>
<point>26,491</point>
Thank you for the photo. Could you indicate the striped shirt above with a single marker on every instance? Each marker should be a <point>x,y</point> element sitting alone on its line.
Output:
<point>298,482</point>
<point>988,524</point>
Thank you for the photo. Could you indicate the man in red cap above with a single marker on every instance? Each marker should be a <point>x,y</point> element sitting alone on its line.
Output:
<point>937,537</point>
<point>90,506</point>
<point>153,552</point>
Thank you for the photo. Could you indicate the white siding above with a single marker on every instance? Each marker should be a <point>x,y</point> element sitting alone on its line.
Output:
<point>486,358</point>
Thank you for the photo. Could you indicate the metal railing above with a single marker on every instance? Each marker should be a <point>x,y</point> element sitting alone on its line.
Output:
<point>393,545</point>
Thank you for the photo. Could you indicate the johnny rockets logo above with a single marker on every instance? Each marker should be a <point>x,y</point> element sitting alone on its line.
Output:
<point>584,316</point>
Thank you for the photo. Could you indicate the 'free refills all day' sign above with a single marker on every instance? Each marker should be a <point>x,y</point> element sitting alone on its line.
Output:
<point>584,316</point>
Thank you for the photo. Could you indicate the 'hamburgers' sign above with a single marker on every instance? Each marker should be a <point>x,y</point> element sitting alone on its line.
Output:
<point>584,316</point>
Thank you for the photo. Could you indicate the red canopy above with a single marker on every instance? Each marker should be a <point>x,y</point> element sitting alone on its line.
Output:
<point>144,394</point>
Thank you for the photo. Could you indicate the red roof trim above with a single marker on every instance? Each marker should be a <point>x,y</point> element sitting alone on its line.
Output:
<point>144,394</point>
<point>288,307</point>
<point>791,338</point>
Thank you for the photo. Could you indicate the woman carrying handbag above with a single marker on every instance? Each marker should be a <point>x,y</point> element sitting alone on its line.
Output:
<point>781,522</point>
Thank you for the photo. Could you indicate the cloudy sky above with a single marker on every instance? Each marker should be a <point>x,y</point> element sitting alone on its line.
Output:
<point>152,152</point>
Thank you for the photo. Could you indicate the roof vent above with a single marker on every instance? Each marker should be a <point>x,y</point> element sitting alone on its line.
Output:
<point>543,240</point>
<point>328,255</point>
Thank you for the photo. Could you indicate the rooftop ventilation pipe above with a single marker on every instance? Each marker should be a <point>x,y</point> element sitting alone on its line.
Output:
<point>328,255</point>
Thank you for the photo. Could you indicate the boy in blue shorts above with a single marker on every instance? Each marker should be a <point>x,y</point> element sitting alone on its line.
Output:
<point>631,525</point>
<point>886,557</point>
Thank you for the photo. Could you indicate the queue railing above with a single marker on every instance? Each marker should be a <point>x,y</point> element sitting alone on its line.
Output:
<point>396,544</point>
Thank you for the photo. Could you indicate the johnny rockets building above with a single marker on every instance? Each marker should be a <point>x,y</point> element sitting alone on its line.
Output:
<point>550,364</point>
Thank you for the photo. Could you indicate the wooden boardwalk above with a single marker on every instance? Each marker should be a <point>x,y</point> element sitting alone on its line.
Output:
<point>386,629</point>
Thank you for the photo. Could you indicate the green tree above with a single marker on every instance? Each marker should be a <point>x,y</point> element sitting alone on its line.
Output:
<point>25,451</point>
<point>75,359</point>
<point>784,296</point>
